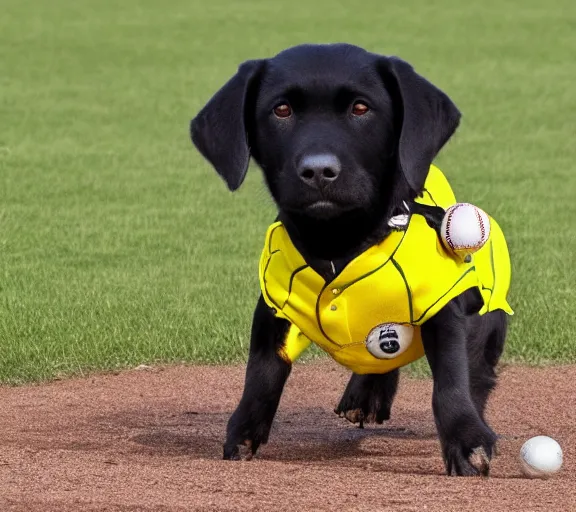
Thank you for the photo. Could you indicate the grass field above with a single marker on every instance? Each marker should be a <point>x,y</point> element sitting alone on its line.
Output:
<point>120,246</point>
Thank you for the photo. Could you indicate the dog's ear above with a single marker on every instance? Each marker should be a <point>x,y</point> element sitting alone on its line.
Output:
<point>427,118</point>
<point>219,130</point>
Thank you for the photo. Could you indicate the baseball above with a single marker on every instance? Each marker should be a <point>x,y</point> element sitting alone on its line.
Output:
<point>465,229</point>
<point>541,457</point>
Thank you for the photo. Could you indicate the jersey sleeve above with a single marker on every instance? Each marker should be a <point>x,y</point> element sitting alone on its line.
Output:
<point>294,345</point>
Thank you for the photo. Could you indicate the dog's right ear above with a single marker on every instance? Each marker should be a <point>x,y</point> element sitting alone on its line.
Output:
<point>219,130</point>
<point>428,118</point>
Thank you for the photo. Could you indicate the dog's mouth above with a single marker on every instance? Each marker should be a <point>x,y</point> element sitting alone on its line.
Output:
<point>324,209</point>
<point>322,204</point>
<point>320,209</point>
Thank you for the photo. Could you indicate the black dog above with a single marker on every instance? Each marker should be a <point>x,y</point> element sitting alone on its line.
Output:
<point>344,137</point>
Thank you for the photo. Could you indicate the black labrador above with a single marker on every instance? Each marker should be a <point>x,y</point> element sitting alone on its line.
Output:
<point>344,137</point>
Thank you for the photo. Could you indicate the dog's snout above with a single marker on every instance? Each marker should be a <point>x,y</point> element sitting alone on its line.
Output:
<point>319,170</point>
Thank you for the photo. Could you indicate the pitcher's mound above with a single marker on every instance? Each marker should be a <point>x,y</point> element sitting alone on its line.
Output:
<point>151,440</point>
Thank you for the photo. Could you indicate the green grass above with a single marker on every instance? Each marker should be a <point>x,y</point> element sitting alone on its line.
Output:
<point>120,246</point>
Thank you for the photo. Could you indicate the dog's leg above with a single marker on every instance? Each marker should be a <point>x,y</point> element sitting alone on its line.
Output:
<point>467,442</point>
<point>487,334</point>
<point>368,398</point>
<point>266,374</point>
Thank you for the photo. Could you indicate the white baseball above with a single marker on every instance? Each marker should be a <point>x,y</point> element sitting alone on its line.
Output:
<point>465,228</point>
<point>541,457</point>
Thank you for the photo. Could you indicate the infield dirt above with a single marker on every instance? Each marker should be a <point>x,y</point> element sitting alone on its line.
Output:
<point>150,440</point>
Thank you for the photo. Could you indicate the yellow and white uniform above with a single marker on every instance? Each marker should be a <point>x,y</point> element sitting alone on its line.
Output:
<point>405,279</point>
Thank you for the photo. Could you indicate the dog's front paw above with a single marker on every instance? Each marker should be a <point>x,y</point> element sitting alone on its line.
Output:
<point>244,434</point>
<point>470,452</point>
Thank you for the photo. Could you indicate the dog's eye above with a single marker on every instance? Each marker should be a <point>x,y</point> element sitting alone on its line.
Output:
<point>282,111</point>
<point>359,109</point>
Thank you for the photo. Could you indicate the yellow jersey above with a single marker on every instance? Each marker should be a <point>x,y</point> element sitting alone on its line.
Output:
<point>402,281</point>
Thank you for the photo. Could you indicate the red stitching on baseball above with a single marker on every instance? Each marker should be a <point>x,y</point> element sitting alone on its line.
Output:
<point>481,222</point>
<point>448,221</point>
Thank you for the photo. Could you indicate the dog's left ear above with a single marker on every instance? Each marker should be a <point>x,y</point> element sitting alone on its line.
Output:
<point>219,130</point>
<point>427,118</point>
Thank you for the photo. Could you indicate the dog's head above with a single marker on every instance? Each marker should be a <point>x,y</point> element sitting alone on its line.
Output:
<point>335,129</point>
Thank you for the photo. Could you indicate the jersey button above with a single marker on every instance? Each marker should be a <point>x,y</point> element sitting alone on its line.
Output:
<point>335,291</point>
<point>333,307</point>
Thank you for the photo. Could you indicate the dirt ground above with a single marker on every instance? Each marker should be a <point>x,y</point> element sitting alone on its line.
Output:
<point>150,440</point>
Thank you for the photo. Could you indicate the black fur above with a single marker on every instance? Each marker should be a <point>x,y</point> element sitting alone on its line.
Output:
<point>266,375</point>
<point>368,398</point>
<point>382,158</point>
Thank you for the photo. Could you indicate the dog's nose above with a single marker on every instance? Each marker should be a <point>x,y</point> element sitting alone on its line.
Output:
<point>319,170</point>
